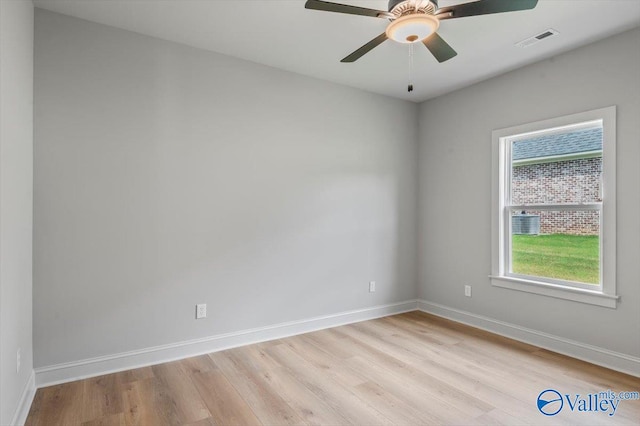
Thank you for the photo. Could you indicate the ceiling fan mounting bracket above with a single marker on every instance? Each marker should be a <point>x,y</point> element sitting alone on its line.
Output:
<point>401,8</point>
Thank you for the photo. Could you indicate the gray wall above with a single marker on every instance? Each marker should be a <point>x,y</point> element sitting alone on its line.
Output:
<point>16,195</point>
<point>455,188</point>
<point>168,176</point>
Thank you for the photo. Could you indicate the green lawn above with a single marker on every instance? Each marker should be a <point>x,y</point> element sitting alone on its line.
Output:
<point>567,257</point>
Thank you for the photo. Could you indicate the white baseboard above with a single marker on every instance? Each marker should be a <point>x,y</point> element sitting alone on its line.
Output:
<point>596,355</point>
<point>22,411</point>
<point>67,372</point>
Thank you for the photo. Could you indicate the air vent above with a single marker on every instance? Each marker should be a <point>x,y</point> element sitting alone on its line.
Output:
<point>538,38</point>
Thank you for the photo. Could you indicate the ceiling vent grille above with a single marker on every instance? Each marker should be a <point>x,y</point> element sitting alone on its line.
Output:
<point>538,38</point>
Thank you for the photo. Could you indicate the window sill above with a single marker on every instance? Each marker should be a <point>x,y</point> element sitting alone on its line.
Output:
<point>559,292</point>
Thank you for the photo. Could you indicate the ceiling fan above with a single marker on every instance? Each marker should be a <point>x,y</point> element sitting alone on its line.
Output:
<point>414,21</point>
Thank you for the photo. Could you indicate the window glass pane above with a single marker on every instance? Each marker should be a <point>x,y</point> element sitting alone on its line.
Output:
<point>558,168</point>
<point>562,245</point>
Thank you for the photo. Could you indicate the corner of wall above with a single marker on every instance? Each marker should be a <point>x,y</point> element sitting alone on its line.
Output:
<point>17,385</point>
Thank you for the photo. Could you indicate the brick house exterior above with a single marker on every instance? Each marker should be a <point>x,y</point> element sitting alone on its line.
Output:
<point>565,168</point>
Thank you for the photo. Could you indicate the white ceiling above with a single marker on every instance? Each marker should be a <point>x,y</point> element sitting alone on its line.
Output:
<point>283,34</point>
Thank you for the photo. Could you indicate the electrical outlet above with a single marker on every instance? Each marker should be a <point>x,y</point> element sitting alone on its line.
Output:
<point>467,290</point>
<point>18,360</point>
<point>372,286</point>
<point>201,311</point>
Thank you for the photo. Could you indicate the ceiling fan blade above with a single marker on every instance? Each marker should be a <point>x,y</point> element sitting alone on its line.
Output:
<point>439,48</point>
<point>365,49</point>
<point>345,8</point>
<point>485,7</point>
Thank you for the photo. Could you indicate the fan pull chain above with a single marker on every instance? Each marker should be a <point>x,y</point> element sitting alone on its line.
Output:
<point>411,67</point>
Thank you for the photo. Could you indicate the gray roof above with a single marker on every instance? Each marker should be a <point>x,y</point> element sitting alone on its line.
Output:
<point>560,144</point>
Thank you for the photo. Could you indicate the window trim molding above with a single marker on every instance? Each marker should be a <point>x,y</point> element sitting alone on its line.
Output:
<point>607,296</point>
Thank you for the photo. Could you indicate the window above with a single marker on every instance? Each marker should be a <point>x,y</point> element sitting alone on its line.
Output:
<point>553,207</point>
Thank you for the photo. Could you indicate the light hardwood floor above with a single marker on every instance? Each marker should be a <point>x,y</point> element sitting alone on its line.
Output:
<point>406,369</point>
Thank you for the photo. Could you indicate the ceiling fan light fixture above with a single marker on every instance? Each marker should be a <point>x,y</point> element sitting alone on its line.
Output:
<point>412,28</point>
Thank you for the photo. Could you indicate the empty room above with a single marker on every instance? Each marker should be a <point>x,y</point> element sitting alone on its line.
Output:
<point>309,212</point>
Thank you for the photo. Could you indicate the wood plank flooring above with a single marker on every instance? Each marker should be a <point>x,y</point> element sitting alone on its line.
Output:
<point>407,369</point>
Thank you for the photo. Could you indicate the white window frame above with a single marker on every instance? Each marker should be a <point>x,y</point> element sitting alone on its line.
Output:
<point>602,295</point>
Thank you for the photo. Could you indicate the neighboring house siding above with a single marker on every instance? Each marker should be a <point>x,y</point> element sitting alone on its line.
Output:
<point>573,181</point>
<point>573,223</point>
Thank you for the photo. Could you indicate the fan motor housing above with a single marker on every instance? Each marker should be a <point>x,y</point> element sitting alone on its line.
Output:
<point>394,3</point>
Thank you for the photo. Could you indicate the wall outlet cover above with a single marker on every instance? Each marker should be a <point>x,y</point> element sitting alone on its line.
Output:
<point>201,311</point>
